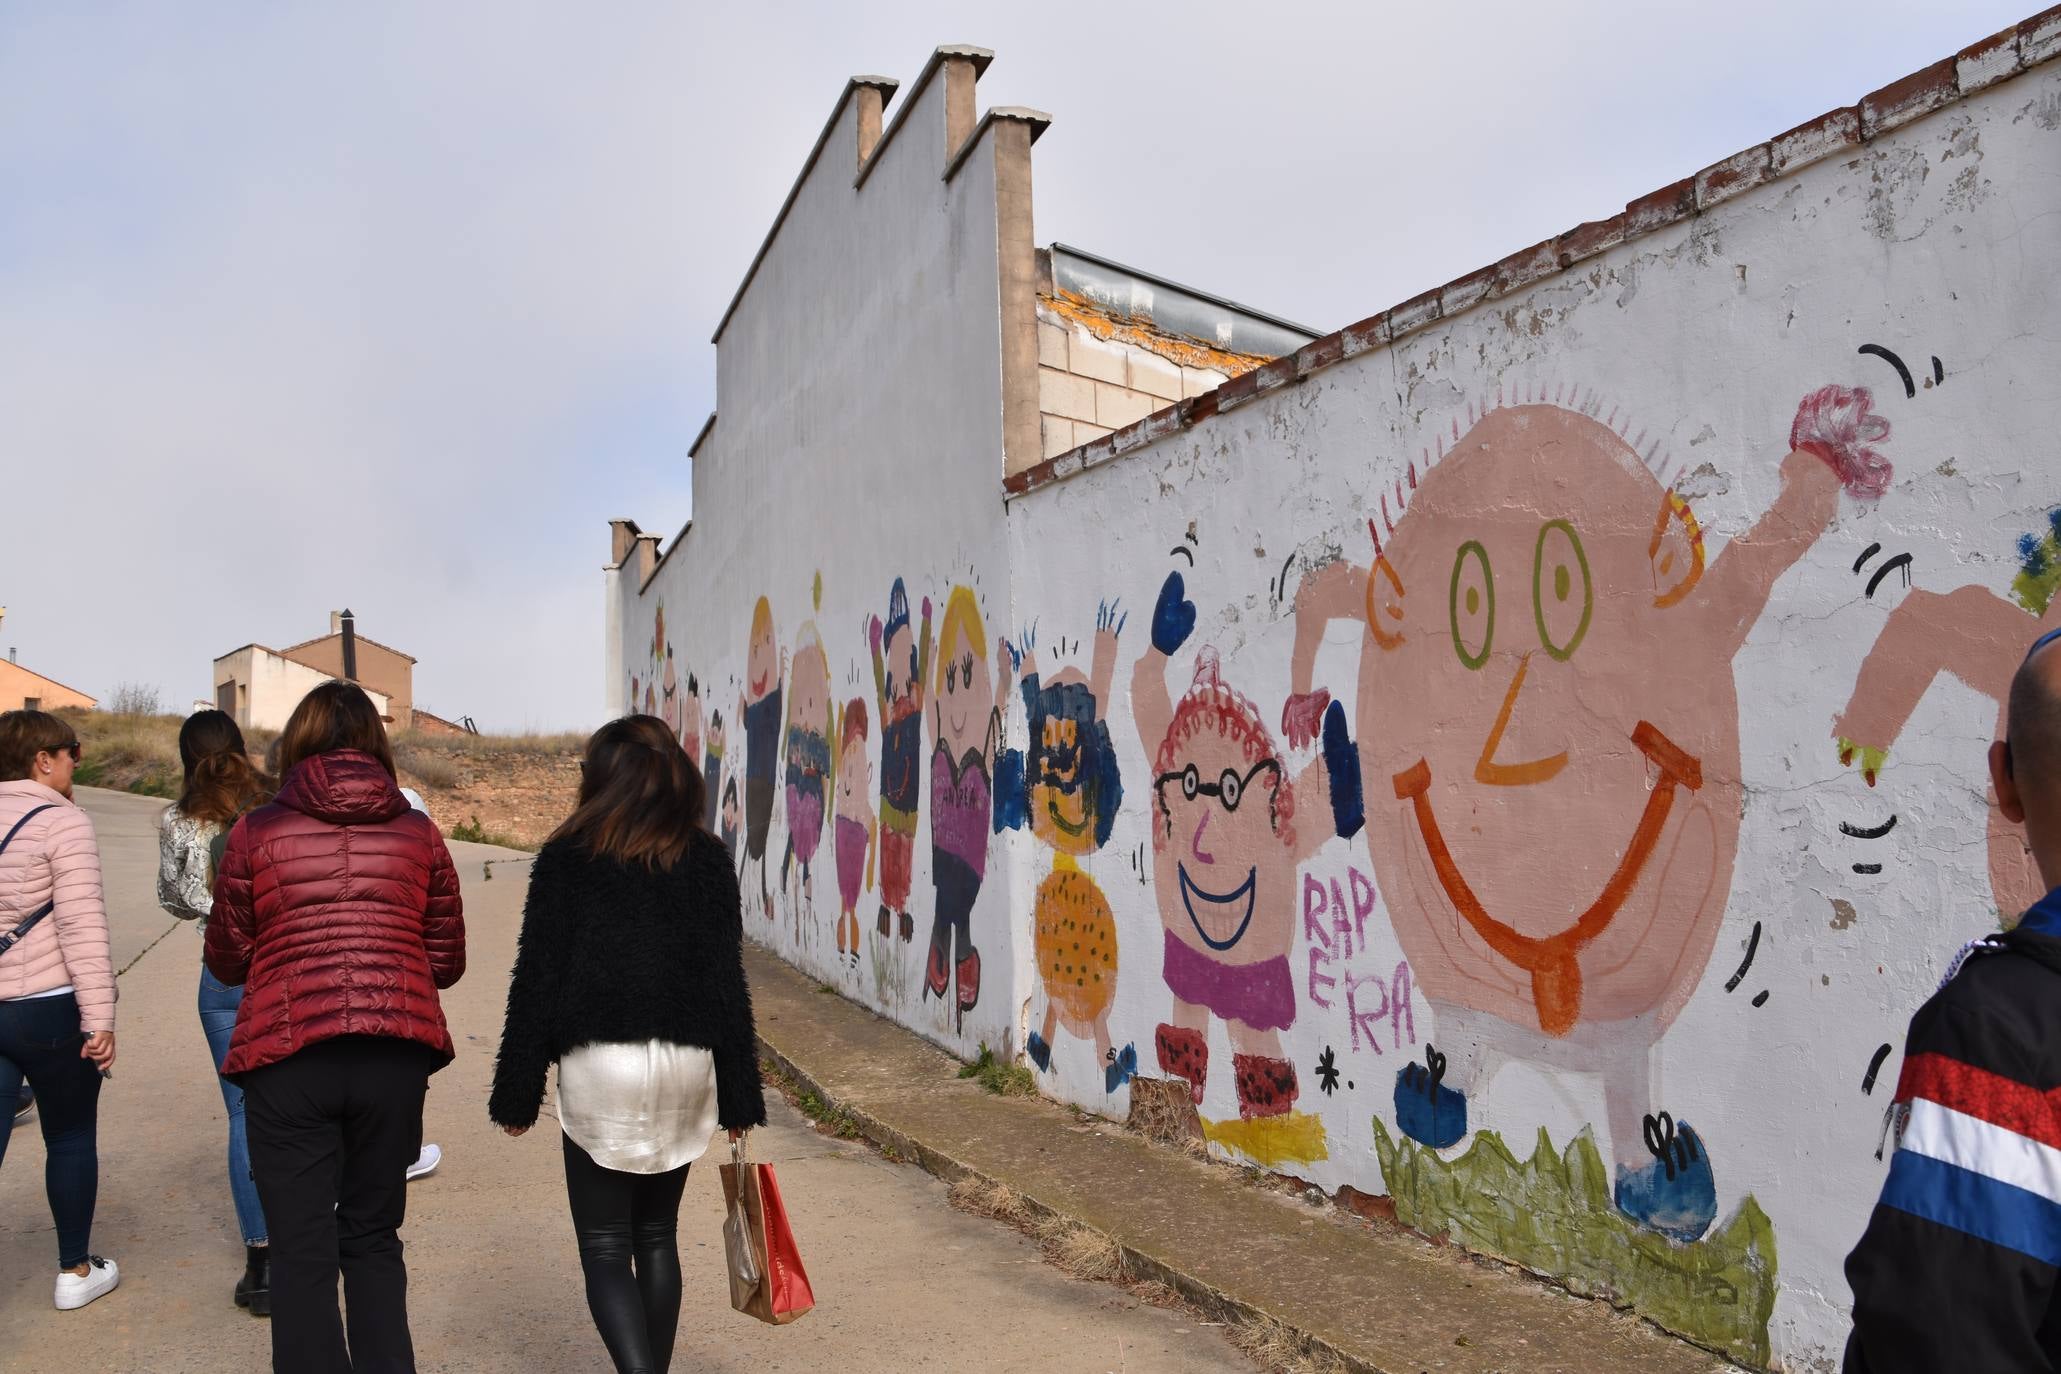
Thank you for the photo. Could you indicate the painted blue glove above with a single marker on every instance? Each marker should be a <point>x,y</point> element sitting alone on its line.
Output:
<point>1173,619</point>
<point>1342,762</point>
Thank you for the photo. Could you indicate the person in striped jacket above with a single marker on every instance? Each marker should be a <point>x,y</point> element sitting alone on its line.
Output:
<point>1957,1269</point>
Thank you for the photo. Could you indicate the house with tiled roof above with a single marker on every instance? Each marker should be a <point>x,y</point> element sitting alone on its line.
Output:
<point>260,686</point>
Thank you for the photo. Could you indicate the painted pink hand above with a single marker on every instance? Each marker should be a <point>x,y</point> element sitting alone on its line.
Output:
<point>1303,717</point>
<point>1835,424</point>
<point>873,633</point>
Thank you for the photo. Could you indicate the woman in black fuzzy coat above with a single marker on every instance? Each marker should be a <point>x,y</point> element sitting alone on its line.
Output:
<point>630,977</point>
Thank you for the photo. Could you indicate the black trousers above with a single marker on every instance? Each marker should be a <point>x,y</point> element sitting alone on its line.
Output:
<point>333,1129</point>
<point>623,1220</point>
<point>39,1041</point>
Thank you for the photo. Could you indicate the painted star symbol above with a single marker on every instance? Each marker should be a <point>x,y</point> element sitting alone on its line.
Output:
<point>1327,1071</point>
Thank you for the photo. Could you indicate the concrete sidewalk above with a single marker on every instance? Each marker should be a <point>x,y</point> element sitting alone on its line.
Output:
<point>1377,1296</point>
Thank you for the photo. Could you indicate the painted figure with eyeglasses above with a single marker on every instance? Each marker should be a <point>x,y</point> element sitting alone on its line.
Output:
<point>1229,830</point>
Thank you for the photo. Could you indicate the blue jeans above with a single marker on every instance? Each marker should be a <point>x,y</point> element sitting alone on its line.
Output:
<point>218,1004</point>
<point>40,1039</point>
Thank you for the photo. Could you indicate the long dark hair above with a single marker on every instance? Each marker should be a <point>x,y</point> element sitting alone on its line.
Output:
<point>220,782</point>
<point>641,798</point>
<point>336,715</point>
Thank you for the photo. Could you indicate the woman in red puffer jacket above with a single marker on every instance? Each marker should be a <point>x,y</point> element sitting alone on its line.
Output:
<point>337,909</point>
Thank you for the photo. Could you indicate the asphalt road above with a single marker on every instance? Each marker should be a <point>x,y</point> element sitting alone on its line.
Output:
<point>903,1282</point>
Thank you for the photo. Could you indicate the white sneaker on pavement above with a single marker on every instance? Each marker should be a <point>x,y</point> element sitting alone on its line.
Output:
<point>425,1163</point>
<point>100,1278</point>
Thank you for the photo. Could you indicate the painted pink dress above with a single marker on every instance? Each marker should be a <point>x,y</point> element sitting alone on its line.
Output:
<point>807,764</point>
<point>851,860</point>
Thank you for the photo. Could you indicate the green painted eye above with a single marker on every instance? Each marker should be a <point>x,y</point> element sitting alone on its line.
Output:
<point>1472,604</point>
<point>1562,599</point>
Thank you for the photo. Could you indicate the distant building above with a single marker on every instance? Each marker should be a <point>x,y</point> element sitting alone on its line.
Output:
<point>260,686</point>
<point>23,690</point>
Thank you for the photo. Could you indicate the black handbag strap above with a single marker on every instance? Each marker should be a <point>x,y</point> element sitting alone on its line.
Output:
<point>13,937</point>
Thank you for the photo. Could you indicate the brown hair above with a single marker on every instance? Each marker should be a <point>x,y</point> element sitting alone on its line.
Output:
<point>336,715</point>
<point>641,798</point>
<point>220,784</point>
<point>25,734</point>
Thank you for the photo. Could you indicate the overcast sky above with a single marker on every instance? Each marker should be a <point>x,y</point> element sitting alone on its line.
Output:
<point>394,305</point>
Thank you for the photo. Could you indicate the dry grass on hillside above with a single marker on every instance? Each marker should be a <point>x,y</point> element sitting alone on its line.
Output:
<point>496,789</point>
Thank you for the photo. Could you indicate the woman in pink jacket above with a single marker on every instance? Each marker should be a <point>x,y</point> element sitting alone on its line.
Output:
<point>57,982</point>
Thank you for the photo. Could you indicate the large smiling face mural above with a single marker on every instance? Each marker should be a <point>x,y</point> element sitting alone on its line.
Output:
<point>1552,760</point>
<point>1549,744</point>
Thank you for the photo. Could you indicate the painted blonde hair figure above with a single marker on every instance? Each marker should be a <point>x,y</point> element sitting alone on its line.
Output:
<point>965,727</point>
<point>758,706</point>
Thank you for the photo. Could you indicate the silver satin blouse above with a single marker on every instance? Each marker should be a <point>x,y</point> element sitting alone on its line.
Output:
<point>185,866</point>
<point>638,1108</point>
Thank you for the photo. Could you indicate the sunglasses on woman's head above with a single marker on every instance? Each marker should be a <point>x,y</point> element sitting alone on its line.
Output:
<point>74,749</point>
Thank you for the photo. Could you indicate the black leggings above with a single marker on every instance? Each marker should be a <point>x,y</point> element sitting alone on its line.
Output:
<point>619,1218</point>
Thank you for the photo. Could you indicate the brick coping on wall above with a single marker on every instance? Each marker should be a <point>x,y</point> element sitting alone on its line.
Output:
<point>1976,67</point>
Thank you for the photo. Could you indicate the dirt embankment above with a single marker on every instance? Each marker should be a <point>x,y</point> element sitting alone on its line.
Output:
<point>495,789</point>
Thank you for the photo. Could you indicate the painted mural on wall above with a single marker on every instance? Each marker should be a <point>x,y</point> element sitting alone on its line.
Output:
<point>1436,866</point>
<point>1551,752</point>
<point>804,777</point>
<point>965,718</point>
<point>1071,795</point>
<point>857,833</point>
<point>901,671</point>
<point>1230,829</point>
<point>758,708</point>
<point>806,754</point>
<point>1978,637</point>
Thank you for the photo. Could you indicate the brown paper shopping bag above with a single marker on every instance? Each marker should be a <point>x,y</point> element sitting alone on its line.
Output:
<point>767,1280</point>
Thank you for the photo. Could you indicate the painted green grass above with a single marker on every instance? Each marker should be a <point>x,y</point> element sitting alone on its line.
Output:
<point>1553,1214</point>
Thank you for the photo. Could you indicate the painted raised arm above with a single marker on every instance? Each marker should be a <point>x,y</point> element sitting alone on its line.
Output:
<point>1970,633</point>
<point>1337,591</point>
<point>1832,446</point>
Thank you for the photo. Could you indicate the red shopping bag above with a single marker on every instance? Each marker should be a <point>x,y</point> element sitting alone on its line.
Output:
<point>767,1280</point>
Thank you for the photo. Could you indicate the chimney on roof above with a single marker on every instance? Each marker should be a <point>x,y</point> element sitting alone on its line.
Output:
<point>336,622</point>
<point>348,624</point>
<point>10,653</point>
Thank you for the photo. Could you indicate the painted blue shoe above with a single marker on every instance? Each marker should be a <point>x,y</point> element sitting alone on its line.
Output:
<point>1425,1109</point>
<point>1040,1053</point>
<point>1122,1071</point>
<point>1676,1194</point>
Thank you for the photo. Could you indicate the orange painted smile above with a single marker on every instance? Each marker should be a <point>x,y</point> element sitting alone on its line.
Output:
<point>1556,980</point>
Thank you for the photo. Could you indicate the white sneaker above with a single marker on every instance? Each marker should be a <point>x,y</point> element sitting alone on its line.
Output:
<point>425,1163</point>
<point>74,1291</point>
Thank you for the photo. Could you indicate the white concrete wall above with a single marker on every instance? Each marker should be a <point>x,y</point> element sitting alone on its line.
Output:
<point>1677,361</point>
<point>859,440</point>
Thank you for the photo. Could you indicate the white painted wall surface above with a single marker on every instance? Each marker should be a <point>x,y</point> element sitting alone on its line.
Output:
<point>1697,345</point>
<point>859,440</point>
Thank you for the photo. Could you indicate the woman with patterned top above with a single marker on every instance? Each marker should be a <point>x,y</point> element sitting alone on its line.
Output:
<point>220,786</point>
